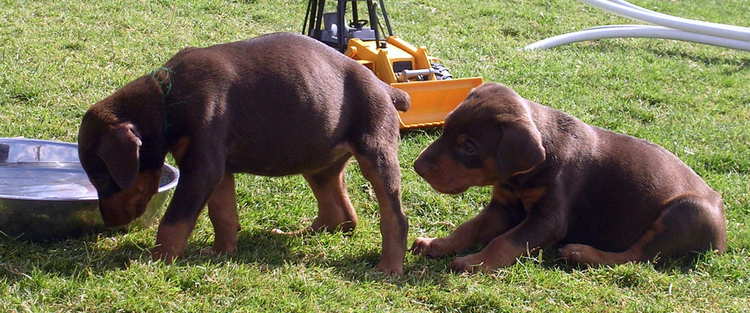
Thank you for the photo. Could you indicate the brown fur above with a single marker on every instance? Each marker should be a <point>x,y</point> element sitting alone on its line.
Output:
<point>606,197</point>
<point>276,105</point>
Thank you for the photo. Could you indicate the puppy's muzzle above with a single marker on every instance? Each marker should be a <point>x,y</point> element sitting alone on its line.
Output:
<point>423,168</point>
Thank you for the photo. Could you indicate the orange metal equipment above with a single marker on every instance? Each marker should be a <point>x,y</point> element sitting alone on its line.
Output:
<point>433,91</point>
<point>431,101</point>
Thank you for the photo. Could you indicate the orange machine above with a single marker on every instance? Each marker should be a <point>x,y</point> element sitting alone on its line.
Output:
<point>434,92</point>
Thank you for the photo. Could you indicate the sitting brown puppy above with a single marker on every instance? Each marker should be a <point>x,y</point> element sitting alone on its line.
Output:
<point>275,105</point>
<point>609,198</point>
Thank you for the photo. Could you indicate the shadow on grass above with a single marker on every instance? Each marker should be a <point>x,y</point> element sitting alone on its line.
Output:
<point>550,259</point>
<point>683,264</point>
<point>272,251</point>
<point>68,257</point>
<point>100,253</point>
<point>739,65</point>
<point>72,257</point>
<point>263,247</point>
<point>78,257</point>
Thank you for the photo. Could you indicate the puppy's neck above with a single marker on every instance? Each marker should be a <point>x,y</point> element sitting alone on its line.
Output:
<point>141,103</point>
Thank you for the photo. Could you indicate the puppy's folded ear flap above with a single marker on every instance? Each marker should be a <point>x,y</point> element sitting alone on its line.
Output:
<point>520,149</point>
<point>119,149</point>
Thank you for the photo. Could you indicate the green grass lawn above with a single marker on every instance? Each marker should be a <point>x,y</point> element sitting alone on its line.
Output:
<point>59,57</point>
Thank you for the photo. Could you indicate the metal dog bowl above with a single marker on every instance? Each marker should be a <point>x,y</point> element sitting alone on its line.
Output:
<point>45,193</point>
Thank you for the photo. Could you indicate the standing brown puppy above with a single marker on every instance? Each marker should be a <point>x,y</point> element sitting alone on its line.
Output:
<point>609,198</point>
<point>275,105</point>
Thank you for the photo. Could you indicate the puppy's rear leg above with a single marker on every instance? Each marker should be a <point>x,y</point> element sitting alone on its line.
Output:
<point>686,225</point>
<point>380,166</point>
<point>335,211</point>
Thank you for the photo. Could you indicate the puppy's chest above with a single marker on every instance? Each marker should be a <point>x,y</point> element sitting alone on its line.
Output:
<point>524,197</point>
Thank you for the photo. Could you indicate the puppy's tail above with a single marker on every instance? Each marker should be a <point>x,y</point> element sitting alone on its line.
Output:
<point>400,99</point>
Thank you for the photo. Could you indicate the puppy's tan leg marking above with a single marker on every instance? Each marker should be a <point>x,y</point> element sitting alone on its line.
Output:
<point>686,225</point>
<point>335,210</point>
<point>201,172</point>
<point>491,222</point>
<point>382,170</point>
<point>171,240</point>
<point>222,210</point>
<point>178,149</point>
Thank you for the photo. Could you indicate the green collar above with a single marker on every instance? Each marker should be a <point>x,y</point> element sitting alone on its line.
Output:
<point>163,77</point>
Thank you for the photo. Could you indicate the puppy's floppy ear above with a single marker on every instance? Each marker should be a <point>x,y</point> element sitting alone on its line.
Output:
<point>119,149</point>
<point>520,148</point>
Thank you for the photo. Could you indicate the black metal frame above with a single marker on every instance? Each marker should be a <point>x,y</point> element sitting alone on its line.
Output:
<point>312,26</point>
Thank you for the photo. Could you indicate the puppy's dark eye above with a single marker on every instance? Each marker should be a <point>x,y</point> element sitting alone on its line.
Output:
<point>466,152</point>
<point>469,147</point>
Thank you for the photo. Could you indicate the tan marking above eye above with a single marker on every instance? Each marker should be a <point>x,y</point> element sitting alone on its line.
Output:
<point>531,196</point>
<point>461,139</point>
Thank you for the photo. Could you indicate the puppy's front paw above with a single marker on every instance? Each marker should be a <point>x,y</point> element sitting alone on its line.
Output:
<point>163,254</point>
<point>483,262</point>
<point>390,269</point>
<point>430,247</point>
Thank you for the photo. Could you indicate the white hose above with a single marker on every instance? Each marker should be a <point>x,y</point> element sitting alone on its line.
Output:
<point>695,26</point>
<point>637,31</point>
<point>630,5</point>
<point>633,6</point>
<point>729,36</point>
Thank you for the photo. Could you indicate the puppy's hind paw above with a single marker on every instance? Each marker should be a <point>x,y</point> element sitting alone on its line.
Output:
<point>161,254</point>
<point>467,264</point>
<point>578,253</point>
<point>213,251</point>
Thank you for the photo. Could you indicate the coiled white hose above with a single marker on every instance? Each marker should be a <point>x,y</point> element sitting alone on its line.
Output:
<point>638,31</point>
<point>729,36</point>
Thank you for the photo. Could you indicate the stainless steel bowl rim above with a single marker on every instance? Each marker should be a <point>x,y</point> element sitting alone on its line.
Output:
<point>163,188</point>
